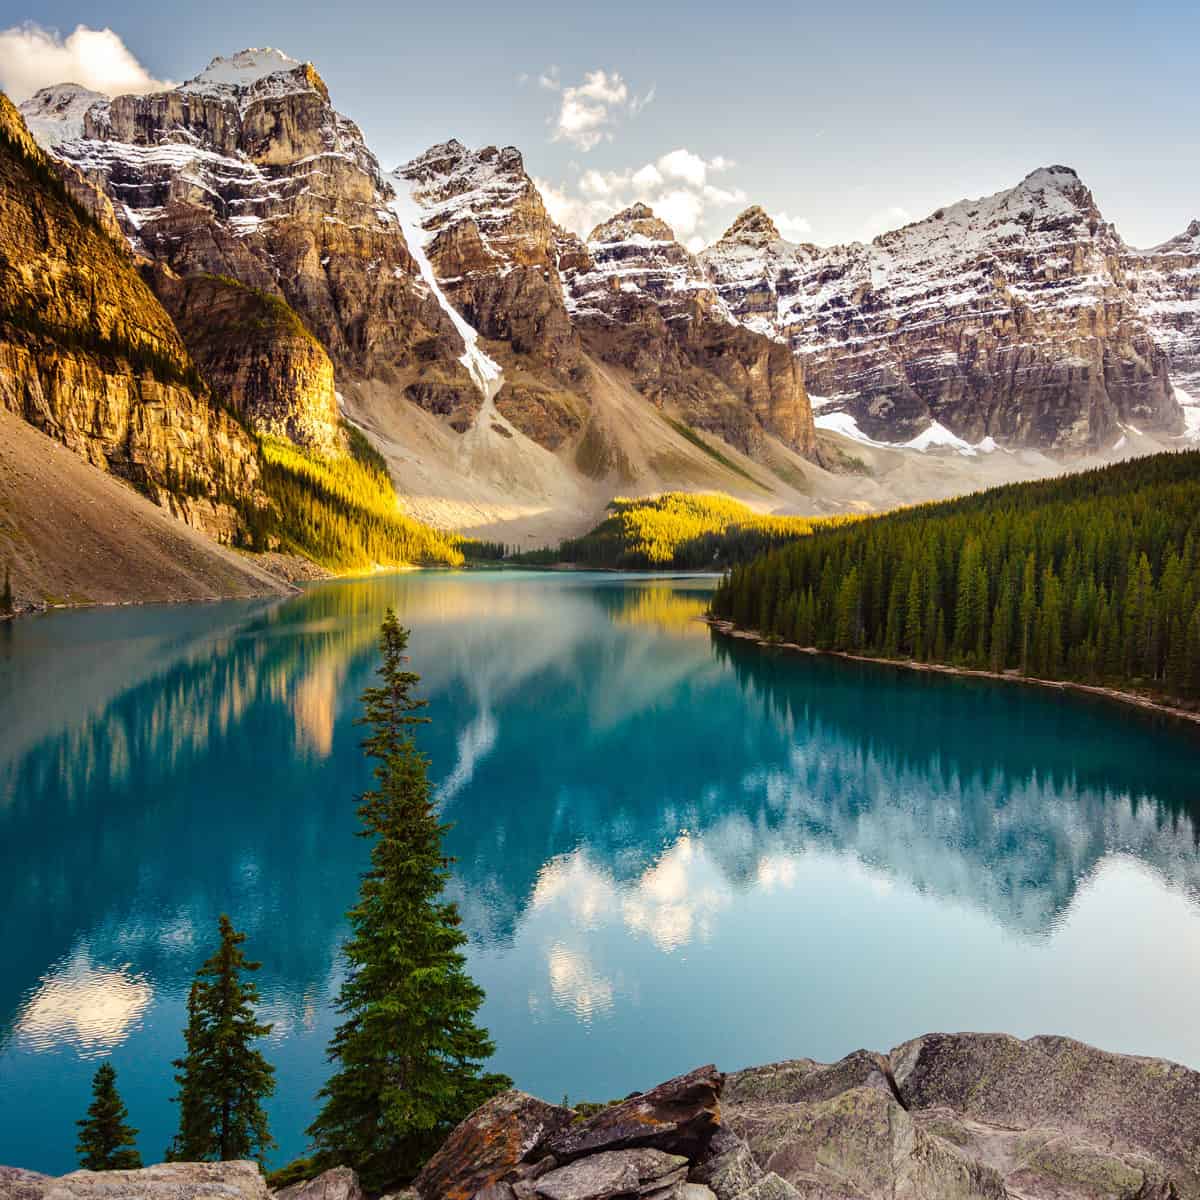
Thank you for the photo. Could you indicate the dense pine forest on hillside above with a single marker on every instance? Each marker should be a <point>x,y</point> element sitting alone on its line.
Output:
<point>343,512</point>
<point>681,530</point>
<point>1092,577</point>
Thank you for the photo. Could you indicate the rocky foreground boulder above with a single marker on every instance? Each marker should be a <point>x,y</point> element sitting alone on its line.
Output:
<point>943,1117</point>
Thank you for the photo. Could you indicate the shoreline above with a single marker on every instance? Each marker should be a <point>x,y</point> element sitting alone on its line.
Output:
<point>1130,699</point>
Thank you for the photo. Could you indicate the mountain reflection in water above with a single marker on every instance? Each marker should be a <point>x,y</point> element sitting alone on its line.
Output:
<point>670,848</point>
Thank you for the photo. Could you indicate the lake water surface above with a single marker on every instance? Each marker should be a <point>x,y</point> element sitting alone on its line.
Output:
<point>671,849</point>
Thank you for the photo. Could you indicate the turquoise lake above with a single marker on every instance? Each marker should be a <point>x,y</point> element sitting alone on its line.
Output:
<point>671,849</point>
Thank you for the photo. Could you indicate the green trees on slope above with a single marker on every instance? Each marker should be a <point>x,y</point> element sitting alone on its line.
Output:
<point>222,1079</point>
<point>409,1054</point>
<point>679,529</point>
<point>1092,577</point>
<point>105,1140</point>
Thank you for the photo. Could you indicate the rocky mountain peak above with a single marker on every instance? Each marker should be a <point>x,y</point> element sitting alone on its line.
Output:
<point>636,221</point>
<point>244,69</point>
<point>56,114</point>
<point>753,228</point>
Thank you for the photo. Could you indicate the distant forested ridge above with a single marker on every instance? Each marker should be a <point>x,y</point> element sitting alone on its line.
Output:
<point>1093,577</point>
<point>678,529</point>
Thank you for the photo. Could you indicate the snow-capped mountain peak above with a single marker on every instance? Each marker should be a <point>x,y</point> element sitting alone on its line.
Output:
<point>55,114</point>
<point>752,227</point>
<point>243,69</point>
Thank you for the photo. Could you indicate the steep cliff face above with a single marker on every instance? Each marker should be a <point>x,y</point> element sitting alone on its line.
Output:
<point>256,355</point>
<point>1010,317</point>
<point>641,300</point>
<point>491,245</point>
<point>1167,283</point>
<point>248,172</point>
<point>89,356</point>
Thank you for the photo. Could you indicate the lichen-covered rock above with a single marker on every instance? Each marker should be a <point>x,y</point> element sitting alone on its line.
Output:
<point>614,1173</point>
<point>340,1183</point>
<point>679,1116</point>
<point>728,1167</point>
<point>489,1144</point>
<point>1116,1102</point>
<point>165,1181</point>
<point>802,1079</point>
<point>18,1184</point>
<point>859,1142</point>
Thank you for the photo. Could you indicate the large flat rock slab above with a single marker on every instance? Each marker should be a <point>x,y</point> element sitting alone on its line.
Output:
<point>1134,1109</point>
<point>165,1181</point>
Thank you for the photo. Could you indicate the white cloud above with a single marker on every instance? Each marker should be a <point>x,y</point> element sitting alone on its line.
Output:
<point>681,210</point>
<point>589,111</point>
<point>723,196</point>
<point>695,244</point>
<point>600,86</point>
<point>674,185</point>
<point>793,228</point>
<point>647,179</point>
<point>32,57</point>
<point>683,164</point>
<point>883,220</point>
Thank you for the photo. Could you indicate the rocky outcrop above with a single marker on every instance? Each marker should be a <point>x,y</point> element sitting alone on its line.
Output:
<point>491,245</point>
<point>165,1181</point>
<point>257,357</point>
<point>340,1183</point>
<point>248,172</point>
<point>89,356</point>
<point>641,300</point>
<point>498,1136</point>
<point>1011,317</point>
<point>1167,284</point>
<point>943,1117</point>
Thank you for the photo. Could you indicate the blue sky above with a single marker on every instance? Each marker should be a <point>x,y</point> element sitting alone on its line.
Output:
<point>840,118</point>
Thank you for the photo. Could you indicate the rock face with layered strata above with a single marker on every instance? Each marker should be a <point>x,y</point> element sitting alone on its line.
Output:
<point>491,246</point>
<point>1011,317</point>
<point>257,356</point>
<point>248,172</point>
<point>1167,280</point>
<point>643,301</point>
<point>89,357</point>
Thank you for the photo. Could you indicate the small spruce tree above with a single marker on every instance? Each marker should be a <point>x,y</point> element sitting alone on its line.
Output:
<point>105,1141</point>
<point>222,1079</point>
<point>409,1054</point>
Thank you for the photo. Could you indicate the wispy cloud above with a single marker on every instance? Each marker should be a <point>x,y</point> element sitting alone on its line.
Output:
<point>676,185</point>
<point>588,112</point>
<point>32,57</point>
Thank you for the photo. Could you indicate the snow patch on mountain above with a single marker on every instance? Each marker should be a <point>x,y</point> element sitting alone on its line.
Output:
<point>935,437</point>
<point>242,69</point>
<point>55,114</point>
<point>485,371</point>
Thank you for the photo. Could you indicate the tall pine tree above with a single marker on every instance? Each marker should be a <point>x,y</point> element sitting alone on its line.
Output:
<point>222,1079</point>
<point>409,1054</point>
<point>105,1140</point>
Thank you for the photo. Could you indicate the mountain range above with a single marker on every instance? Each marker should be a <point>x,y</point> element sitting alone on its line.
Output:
<point>190,271</point>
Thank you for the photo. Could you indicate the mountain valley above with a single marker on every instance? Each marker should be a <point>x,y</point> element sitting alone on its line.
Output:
<point>515,376</point>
